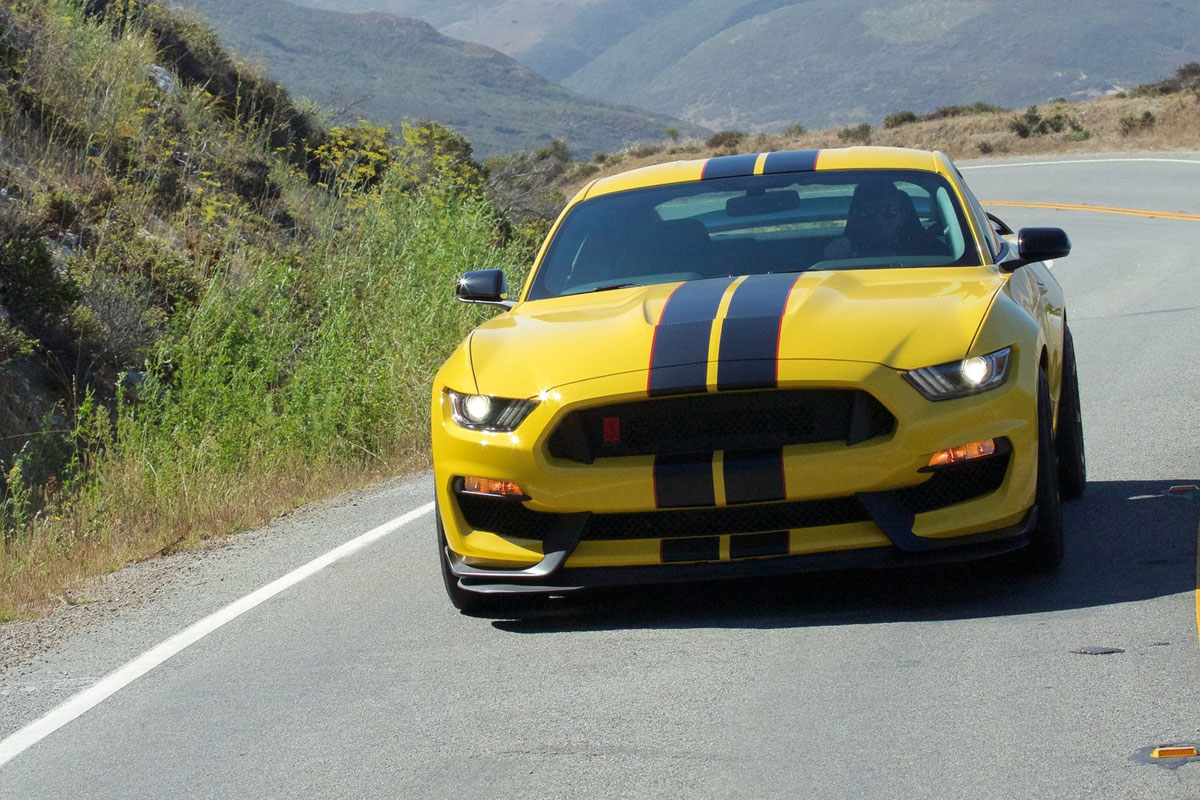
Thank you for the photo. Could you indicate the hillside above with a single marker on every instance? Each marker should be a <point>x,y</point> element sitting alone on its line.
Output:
<point>765,64</point>
<point>213,307</point>
<point>389,69</point>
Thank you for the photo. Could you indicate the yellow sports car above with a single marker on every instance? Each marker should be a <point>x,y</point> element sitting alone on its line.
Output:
<point>759,364</point>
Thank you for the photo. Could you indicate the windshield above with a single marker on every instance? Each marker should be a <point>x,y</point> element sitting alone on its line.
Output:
<point>852,219</point>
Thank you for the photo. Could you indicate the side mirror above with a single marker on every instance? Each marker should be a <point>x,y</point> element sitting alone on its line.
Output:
<point>1038,244</point>
<point>485,287</point>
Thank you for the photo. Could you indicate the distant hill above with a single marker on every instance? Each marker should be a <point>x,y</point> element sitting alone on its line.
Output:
<point>765,64</point>
<point>389,69</point>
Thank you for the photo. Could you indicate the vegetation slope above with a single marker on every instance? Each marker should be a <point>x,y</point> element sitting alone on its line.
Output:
<point>213,305</point>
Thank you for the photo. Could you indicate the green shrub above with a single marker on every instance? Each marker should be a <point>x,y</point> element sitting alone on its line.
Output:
<point>1130,123</point>
<point>795,130</point>
<point>1033,123</point>
<point>1186,78</point>
<point>644,150</point>
<point>856,134</point>
<point>899,118</point>
<point>725,140</point>
<point>1028,124</point>
<point>31,288</point>
<point>13,342</point>
<point>961,111</point>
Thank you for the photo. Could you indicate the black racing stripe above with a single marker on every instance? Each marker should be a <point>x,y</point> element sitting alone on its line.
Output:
<point>729,166</point>
<point>791,161</point>
<point>749,348</point>
<point>679,355</point>
<point>683,481</point>
<point>753,477</point>
<point>754,545</point>
<point>700,548</point>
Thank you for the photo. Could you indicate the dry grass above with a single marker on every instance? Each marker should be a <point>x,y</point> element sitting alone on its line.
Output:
<point>40,572</point>
<point>1176,127</point>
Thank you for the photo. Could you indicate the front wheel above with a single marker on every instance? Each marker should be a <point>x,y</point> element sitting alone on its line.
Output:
<point>1045,550</point>
<point>1072,465</point>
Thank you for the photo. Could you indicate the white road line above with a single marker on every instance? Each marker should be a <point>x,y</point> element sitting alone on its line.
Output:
<point>81,703</point>
<point>1085,161</point>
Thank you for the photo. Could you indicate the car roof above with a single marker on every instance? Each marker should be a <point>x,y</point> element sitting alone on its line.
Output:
<point>776,162</point>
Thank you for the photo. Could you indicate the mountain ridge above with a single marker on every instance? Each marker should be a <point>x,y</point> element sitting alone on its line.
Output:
<point>392,69</point>
<point>765,64</point>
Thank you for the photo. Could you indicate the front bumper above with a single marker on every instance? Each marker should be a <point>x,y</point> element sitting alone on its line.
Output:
<point>870,503</point>
<point>550,577</point>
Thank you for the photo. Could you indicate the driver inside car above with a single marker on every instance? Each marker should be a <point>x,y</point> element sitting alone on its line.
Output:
<point>883,222</point>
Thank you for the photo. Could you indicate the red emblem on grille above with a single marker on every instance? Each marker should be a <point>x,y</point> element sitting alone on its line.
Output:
<point>612,430</point>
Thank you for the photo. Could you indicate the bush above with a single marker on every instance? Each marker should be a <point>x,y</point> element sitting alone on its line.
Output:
<point>644,150</point>
<point>899,118</point>
<point>962,111</point>
<point>33,290</point>
<point>1130,124</point>
<point>13,342</point>
<point>795,130</point>
<point>856,134</point>
<point>1032,123</point>
<point>725,140</point>
<point>1028,124</point>
<point>1186,78</point>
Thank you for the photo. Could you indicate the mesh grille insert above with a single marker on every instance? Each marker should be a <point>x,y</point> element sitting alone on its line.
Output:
<point>754,420</point>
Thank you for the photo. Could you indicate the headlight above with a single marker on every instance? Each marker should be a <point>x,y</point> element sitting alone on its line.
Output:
<point>481,412</point>
<point>961,378</point>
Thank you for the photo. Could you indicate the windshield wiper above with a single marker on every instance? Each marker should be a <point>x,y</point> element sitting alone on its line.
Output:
<point>610,287</point>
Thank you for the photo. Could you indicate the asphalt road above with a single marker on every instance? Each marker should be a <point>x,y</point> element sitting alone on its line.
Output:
<point>956,682</point>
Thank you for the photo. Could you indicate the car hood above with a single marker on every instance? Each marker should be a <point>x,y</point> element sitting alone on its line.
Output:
<point>901,318</point>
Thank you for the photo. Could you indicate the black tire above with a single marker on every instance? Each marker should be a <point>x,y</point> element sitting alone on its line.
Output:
<point>1072,464</point>
<point>473,604</point>
<point>1045,550</point>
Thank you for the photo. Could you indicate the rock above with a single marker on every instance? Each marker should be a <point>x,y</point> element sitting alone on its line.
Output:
<point>163,78</point>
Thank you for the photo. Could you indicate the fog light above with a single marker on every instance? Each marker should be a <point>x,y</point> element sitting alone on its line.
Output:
<point>965,452</point>
<point>491,487</point>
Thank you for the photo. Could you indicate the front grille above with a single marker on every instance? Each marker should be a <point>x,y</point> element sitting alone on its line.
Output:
<point>946,487</point>
<point>754,420</point>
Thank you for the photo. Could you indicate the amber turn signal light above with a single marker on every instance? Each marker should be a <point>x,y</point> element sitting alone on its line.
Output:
<point>491,486</point>
<point>964,452</point>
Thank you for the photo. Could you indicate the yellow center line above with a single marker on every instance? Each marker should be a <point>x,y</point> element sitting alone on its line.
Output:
<point>1133,212</point>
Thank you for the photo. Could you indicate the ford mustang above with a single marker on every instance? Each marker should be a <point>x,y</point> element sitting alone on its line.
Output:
<point>759,364</point>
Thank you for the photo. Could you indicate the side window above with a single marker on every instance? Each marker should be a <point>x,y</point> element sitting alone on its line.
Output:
<point>981,218</point>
